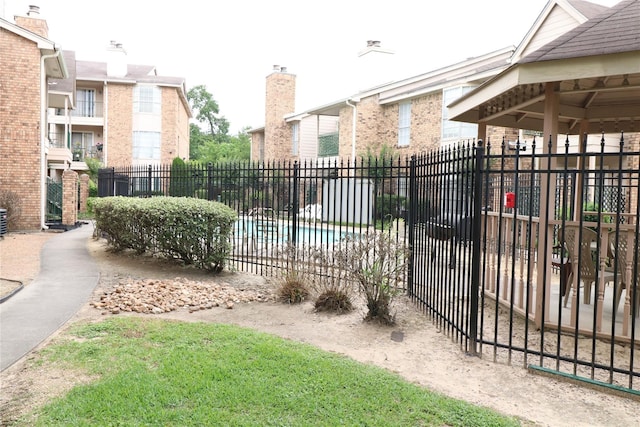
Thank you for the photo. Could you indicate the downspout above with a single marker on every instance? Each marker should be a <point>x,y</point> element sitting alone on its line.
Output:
<point>67,124</point>
<point>43,135</point>
<point>105,119</point>
<point>353,132</point>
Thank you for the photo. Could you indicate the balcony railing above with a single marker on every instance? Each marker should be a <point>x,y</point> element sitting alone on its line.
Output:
<point>93,152</point>
<point>84,109</point>
<point>79,153</point>
<point>58,140</point>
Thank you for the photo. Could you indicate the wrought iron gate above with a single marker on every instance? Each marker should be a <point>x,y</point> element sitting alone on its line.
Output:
<point>54,201</point>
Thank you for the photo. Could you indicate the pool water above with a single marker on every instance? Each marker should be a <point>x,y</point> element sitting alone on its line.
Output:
<point>305,234</point>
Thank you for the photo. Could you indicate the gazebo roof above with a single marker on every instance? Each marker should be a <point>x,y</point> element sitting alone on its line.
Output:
<point>595,69</point>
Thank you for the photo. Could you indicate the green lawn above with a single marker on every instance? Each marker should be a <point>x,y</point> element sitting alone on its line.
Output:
<point>154,372</point>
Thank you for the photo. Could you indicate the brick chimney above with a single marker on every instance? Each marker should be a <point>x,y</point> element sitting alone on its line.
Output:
<point>33,22</point>
<point>280,100</point>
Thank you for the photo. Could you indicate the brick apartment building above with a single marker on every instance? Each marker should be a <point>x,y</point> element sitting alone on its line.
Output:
<point>56,111</point>
<point>123,114</point>
<point>408,115</point>
<point>28,60</point>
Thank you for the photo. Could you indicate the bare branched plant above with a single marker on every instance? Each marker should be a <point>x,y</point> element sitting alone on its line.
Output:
<point>322,276</point>
<point>10,201</point>
<point>293,289</point>
<point>376,262</point>
<point>334,289</point>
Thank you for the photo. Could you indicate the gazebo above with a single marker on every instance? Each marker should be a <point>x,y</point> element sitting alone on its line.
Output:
<point>586,81</point>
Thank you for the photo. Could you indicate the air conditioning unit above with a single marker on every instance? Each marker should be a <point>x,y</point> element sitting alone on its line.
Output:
<point>514,146</point>
<point>3,222</point>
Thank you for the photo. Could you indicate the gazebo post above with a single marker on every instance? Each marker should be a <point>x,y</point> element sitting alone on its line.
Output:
<point>582,146</point>
<point>482,131</point>
<point>547,187</point>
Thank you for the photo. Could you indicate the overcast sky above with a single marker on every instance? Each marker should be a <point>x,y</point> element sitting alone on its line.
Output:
<point>231,46</point>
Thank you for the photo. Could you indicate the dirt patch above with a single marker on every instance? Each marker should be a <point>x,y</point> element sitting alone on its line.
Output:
<point>415,348</point>
<point>20,259</point>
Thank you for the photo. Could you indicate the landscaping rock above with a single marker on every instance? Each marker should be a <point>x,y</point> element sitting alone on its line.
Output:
<point>162,296</point>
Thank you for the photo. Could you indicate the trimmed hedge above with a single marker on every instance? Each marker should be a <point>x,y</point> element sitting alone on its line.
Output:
<point>389,205</point>
<point>194,231</point>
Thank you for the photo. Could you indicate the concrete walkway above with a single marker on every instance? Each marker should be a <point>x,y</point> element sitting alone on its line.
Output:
<point>68,276</point>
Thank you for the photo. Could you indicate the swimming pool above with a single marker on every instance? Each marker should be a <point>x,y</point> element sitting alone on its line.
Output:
<point>321,235</point>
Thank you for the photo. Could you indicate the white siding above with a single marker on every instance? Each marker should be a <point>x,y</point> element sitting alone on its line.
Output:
<point>310,128</point>
<point>557,23</point>
<point>308,148</point>
<point>328,124</point>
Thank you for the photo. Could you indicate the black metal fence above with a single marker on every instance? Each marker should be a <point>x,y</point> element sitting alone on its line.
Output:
<point>487,258</point>
<point>54,201</point>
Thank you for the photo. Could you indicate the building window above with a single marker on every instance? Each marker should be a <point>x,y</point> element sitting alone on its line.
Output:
<point>404,124</point>
<point>403,185</point>
<point>261,149</point>
<point>146,145</point>
<point>85,103</point>
<point>452,132</point>
<point>295,138</point>
<point>146,99</point>
<point>81,145</point>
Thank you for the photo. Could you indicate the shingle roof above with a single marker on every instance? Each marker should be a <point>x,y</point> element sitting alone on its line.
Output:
<point>615,30</point>
<point>66,85</point>
<point>587,9</point>
<point>90,70</point>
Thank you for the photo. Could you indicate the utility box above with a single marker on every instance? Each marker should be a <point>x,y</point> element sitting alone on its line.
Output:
<point>510,200</point>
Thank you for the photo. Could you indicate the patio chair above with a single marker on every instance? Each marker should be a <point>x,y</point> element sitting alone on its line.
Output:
<point>588,267</point>
<point>619,250</point>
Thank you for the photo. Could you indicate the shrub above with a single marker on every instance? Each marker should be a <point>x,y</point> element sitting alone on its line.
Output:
<point>586,217</point>
<point>194,231</point>
<point>334,300</point>
<point>293,289</point>
<point>181,182</point>
<point>93,189</point>
<point>90,203</point>
<point>594,217</point>
<point>322,275</point>
<point>389,206</point>
<point>10,201</point>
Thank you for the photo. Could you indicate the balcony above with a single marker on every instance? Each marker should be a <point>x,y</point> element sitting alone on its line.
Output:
<point>58,140</point>
<point>80,154</point>
<point>85,113</point>
<point>61,150</point>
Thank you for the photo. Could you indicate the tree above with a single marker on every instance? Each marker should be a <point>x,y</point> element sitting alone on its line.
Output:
<point>197,140</point>
<point>236,148</point>
<point>208,112</point>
